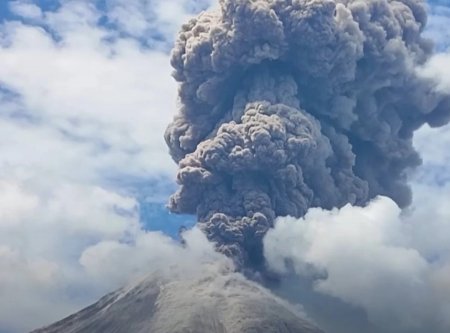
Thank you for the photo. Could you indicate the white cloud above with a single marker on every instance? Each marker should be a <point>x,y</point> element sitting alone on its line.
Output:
<point>438,21</point>
<point>373,258</point>
<point>43,236</point>
<point>432,143</point>
<point>47,276</point>
<point>89,104</point>
<point>26,9</point>
<point>15,204</point>
<point>28,287</point>
<point>427,222</point>
<point>154,17</point>
<point>394,265</point>
<point>438,69</point>
<point>149,252</point>
<point>61,248</point>
<point>79,105</point>
<point>116,96</point>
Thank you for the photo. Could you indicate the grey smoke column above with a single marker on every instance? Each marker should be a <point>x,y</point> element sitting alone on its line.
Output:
<point>291,104</point>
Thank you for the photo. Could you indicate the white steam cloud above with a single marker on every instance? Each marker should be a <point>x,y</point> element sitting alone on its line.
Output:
<point>371,258</point>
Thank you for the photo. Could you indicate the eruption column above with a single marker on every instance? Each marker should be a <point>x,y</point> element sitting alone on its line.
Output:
<point>292,104</point>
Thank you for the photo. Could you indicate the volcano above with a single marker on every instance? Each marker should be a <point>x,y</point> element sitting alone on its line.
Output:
<point>210,303</point>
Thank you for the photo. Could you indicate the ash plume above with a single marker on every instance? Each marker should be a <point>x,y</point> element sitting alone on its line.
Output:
<point>292,104</point>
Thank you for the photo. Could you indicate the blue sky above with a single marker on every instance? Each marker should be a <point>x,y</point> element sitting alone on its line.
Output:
<point>153,214</point>
<point>85,173</point>
<point>85,96</point>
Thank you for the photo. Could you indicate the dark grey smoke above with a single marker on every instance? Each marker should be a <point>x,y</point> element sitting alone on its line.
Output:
<point>292,104</point>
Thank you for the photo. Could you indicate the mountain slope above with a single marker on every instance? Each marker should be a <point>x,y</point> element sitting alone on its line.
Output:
<point>213,303</point>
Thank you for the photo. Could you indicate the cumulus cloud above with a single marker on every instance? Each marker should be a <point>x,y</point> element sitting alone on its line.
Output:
<point>150,252</point>
<point>61,249</point>
<point>388,263</point>
<point>82,112</point>
<point>91,93</point>
<point>438,68</point>
<point>45,291</point>
<point>43,234</point>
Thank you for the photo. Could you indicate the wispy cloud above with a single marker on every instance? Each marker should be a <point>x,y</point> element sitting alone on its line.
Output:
<point>432,142</point>
<point>439,20</point>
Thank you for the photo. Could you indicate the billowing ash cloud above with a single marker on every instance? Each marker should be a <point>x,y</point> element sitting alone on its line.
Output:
<point>292,104</point>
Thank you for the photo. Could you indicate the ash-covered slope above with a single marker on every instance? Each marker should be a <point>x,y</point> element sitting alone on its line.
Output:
<point>211,303</point>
